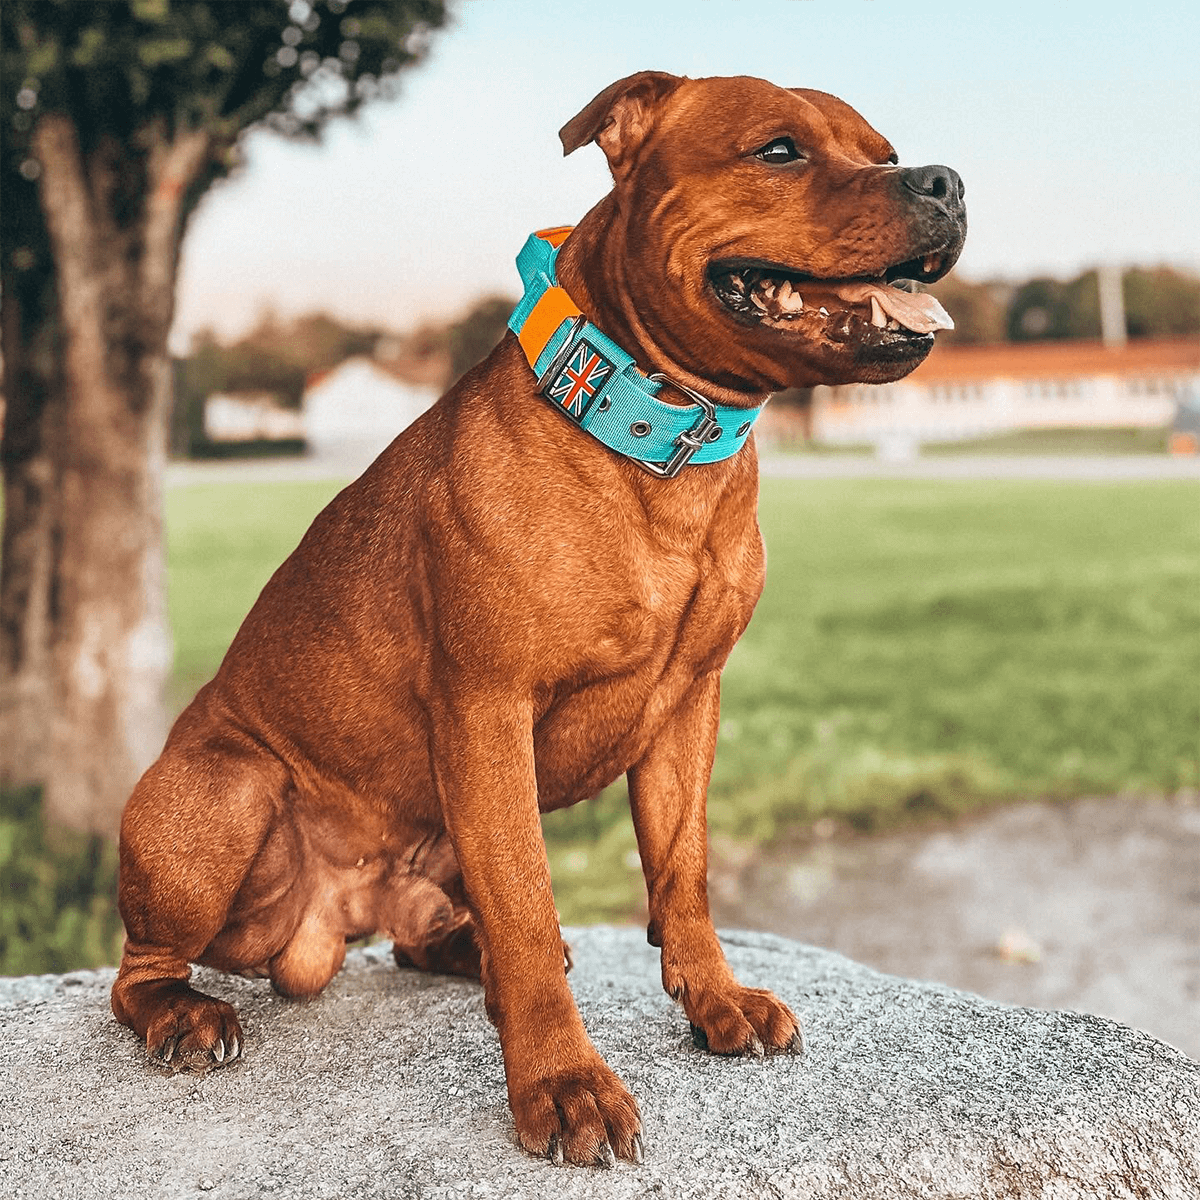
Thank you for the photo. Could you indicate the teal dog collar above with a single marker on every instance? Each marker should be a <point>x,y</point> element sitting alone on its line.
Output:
<point>586,376</point>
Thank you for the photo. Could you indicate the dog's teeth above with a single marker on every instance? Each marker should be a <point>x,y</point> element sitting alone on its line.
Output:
<point>877,317</point>
<point>738,284</point>
<point>788,298</point>
<point>823,311</point>
<point>931,263</point>
<point>893,324</point>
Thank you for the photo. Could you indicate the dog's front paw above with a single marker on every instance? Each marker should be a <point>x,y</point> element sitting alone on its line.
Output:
<point>742,1020</point>
<point>585,1116</point>
<point>194,1032</point>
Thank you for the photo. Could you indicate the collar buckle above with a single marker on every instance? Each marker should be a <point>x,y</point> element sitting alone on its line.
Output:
<point>690,440</point>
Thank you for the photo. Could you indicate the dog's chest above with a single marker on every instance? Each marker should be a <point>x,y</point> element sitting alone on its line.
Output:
<point>674,607</point>
<point>676,620</point>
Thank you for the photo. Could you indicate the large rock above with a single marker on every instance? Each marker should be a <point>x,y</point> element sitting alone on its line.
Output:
<point>391,1084</point>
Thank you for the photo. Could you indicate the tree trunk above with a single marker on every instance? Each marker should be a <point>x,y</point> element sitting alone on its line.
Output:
<point>86,644</point>
<point>33,411</point>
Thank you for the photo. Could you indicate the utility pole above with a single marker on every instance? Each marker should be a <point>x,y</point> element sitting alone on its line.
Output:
<point>1112,306</point>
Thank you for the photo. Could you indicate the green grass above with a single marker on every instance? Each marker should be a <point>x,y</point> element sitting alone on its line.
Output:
<point>224,541</point>
<point>60,893</point>
<point>921,648</point>
<point>1035,637</point>
<point>1059,441</point>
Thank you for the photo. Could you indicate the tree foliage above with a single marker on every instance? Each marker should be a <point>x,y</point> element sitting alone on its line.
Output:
<point>128,74</point>
<point>279,358</point>
<point>979,310</point>
<point>226,65</point>
<point>1161,302</point>
<point>1050,309</point>
<point>472,336</point>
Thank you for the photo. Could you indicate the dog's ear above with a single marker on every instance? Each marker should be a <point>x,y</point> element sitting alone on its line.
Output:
<point>621,116</point>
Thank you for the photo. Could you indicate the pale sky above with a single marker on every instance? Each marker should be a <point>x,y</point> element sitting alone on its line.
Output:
<point>1075,125</point>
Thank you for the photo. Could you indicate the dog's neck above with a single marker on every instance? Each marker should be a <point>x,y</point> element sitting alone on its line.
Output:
<point>594,270</point>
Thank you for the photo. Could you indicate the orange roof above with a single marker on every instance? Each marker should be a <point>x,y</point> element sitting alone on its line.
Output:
<point>1050,360</point>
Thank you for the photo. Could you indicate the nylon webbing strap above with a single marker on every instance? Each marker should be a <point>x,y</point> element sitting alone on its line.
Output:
<point>595,383</point>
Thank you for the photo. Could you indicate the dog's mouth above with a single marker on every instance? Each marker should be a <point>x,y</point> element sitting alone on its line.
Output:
<point>884,311</point>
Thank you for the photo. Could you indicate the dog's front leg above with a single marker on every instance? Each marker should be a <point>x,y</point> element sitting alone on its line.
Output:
<point>667,792</point>
<point>566,1102</point>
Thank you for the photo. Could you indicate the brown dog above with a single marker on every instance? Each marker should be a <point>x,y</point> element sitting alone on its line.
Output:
<point>503,616</point>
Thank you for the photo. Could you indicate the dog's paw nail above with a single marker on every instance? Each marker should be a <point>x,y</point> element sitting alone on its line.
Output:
<point>755,1047</point>
<point>235,1047</point>
<point>699,1038</point>
<point>605,1156</point>
<point>797,1045</point>
<point>218,1051</point>
<point>637,1155</point>
<point>165,1052</point>
<point>555,1153</point>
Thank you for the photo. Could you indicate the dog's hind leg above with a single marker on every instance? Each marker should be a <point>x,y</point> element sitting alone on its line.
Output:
<point>190,833</point>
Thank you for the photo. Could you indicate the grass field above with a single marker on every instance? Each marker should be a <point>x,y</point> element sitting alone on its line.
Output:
<point>1058,442</point>
<point>921,648</point>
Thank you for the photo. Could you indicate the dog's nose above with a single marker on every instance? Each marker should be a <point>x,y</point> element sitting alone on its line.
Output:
<point>939,183</point>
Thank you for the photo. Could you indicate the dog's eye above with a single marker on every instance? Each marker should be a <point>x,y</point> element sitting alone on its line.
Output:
<point>781,150</point>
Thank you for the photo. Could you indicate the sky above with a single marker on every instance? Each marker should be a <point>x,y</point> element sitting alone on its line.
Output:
<point>1075,125</point>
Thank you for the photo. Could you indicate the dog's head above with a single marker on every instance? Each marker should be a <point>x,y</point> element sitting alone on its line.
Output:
<point>779,226</point>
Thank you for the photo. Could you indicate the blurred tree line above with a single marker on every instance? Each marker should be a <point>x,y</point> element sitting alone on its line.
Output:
<point>1160,302</point>
<point>279,357</point>
<point>273,357</point>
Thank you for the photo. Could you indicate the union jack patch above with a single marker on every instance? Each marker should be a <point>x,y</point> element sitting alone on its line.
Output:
<point>576,383</point>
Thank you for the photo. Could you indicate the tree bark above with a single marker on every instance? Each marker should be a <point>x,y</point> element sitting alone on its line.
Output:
<point>33,411</point>
<point>86,644</point>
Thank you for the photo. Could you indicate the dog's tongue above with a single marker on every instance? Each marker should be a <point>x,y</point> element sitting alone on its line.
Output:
<point>919,312</point>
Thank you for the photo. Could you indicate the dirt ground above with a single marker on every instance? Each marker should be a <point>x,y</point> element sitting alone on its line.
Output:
<point>1092,905</point>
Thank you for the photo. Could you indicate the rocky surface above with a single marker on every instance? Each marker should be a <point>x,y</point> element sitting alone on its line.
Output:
<point>391,1084</point>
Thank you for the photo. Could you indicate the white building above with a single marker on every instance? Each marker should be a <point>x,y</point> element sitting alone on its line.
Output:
<point>354,410</point>
<point>963,392</point>
<point>249,416</point>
